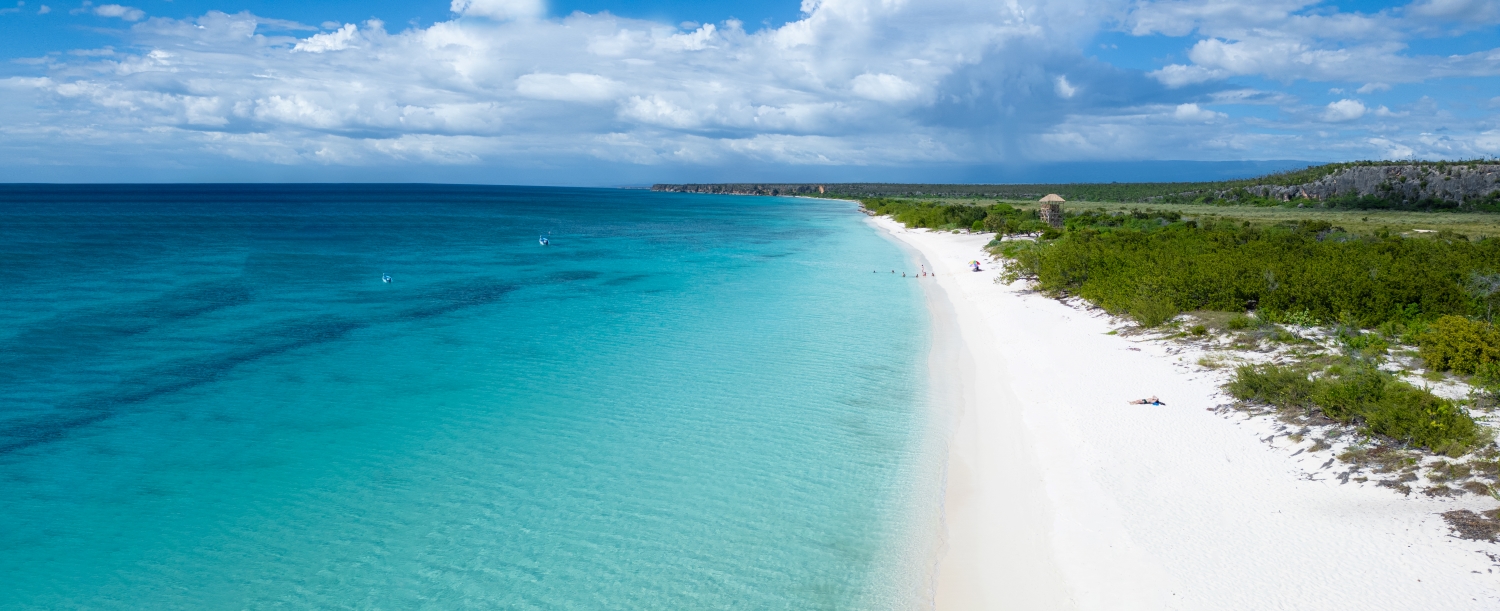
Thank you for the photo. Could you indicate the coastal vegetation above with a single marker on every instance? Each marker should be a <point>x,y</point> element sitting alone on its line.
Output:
<point>1000,218</point>
<point>1365,396</point>
<point>1468,185</point>
<point>1280,280</point>
<point>1436,293</point>
<point>1148,263</point>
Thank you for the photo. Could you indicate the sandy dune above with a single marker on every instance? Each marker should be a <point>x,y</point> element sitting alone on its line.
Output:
<point>1060,495</point>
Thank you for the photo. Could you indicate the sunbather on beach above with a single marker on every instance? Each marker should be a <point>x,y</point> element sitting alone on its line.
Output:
<point>1150,401</point>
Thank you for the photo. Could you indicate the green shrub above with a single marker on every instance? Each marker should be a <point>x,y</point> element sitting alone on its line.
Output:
<point>1344,397</point>
<point>1199,330</point>
<point>1366,396</point>
<point>1284,387</point>
<point>1418,417</point>
<point>996,222</point>
<point>1240,322</point>
<point>1368,344</point>
<point>1486,381</point>
<point>1152,310</point>
<point>977,226</point>
<point>1289,273</point>
<point>1459,344</point>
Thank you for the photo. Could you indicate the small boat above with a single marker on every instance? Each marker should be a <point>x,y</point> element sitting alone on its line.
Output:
<point>544,240</point>
<point>386,278</point>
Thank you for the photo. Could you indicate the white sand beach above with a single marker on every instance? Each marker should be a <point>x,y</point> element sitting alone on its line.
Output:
<point>1060,495</point>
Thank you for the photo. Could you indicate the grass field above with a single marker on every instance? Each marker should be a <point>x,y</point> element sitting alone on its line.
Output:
<point>1471,224</point>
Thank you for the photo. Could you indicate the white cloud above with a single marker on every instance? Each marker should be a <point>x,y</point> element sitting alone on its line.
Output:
<point>127,13</point>
<point>337,40</point>
<point>500,9</point>
<point>573,87</point>
<point>858,82</point>
<point>1251,96</point>
<point>1482,12</point>
<point>1392,150</point>
<point>884,87</point>
<point>44,10</point>
<point>1191,112</point>
<point>1064,89</point>
<point>1287,40</point>
<point>1178,75</point>
<point>1344,110</point>
<point>697,40</point>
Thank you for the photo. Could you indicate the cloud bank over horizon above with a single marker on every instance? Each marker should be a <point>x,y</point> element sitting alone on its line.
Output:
<point>852,83</point>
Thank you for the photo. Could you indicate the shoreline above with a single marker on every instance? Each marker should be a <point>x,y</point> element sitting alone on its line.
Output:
<point>1059,495</point>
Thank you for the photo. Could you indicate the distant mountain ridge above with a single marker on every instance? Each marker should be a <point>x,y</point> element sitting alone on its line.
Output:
<point>1365,184</point>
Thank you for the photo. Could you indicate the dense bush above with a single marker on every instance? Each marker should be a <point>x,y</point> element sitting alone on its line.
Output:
<point>1298,273</point>
<point>1003,219</point>
<point>1283,387</point>
<point>1224,192</point>
<point>1459,344</point>
<point>1367,397</point>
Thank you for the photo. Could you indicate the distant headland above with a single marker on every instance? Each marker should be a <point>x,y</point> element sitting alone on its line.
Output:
<point>1408,185</point>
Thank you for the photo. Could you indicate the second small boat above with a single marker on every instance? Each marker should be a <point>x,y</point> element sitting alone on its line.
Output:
<point>544,241</point>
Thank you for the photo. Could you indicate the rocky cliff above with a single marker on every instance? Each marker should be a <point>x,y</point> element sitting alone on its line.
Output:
<point>1409,182</point>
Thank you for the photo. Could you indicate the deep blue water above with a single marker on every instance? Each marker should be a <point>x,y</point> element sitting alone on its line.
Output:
<point>209,400</point>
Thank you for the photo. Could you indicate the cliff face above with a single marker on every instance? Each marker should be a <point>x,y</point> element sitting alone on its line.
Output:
<point>1401,182</point>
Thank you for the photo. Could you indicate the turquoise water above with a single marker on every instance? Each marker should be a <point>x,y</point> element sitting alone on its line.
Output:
<point>209,399</point>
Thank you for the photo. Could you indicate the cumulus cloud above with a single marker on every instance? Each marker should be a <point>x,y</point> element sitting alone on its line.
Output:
<point>337,40</point>
<point>128,13</point>
<point>1289,40</point>
<point>1479,12</point>
<point>568,87</point>
<point>852,82</point>
<point>884,87</point>
<point>1344,110</point>
<point>1063,88</point>
<point>1192,112</point>
<point>1178,75</point>
<point>837,85</point>
<point>500,9</point>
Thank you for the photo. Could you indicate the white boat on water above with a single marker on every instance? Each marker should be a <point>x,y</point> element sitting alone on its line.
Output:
<point>544,241</point>
<point>386,278</point>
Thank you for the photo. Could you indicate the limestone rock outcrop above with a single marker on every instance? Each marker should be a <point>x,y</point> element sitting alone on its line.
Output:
<point>1456,182</point>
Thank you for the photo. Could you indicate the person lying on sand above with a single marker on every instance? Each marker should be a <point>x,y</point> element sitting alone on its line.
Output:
<point>1151,401</point>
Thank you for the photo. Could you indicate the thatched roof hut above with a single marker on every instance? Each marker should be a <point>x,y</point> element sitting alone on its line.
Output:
<point>1052,198</point>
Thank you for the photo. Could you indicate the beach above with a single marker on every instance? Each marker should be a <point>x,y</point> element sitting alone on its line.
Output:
<point>1059,494</point>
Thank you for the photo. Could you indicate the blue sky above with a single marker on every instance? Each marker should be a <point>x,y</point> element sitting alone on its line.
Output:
<point>604,92</point>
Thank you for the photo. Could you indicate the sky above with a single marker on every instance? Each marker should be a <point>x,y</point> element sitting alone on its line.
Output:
<point>605,92</point>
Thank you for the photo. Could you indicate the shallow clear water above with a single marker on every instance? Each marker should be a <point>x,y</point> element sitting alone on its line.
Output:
<point>208,399</point>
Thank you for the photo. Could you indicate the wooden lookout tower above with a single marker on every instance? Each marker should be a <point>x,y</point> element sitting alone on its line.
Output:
<point>1051,210</point>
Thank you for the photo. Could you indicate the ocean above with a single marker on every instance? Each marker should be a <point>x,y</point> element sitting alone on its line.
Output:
<point>209,399</point>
